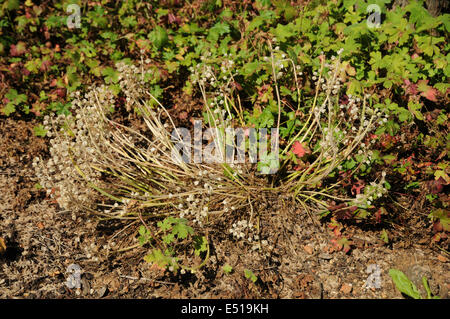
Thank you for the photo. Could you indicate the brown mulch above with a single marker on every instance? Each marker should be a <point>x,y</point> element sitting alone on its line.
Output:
<point>42,241</point>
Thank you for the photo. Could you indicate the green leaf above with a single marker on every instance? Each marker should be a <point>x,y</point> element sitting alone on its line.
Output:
<point>142,230</point>
<point>389,158</point>
<point>11,95</point>
<point>441,174</point>
<point>9,109</point>
<point>13,4</point>
<point>168,239</point>
<point>250,68</point>
<point>219,29</point>
<point>266,119</point>
<point>158,257</point>
<point>268,163</point>
<point>264,3</point>
<point>403,284</point>
<point>227,269</point>
<point>282,32</point>
<point>415,109</point>
<point>159,37</point>
<point>428,290</point>
<point>250,275</point>
<point>443,216</point>
<point>384,236</point>
<point>39,130</point>
<point>181,230</point>
<point>200,245</point>
<point>446,21</point>
<point>166,224</point>
<point>442,87</point>
<point>412,185</point>
<point>354,88</point>
<point>111,75</point>
<point>426,286</point>
<point>349,164</point>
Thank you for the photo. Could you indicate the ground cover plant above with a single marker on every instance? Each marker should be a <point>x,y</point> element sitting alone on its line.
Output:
<point>355,105</point>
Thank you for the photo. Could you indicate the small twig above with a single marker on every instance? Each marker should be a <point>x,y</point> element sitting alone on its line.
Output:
<point>158,243</point>
<point>116,234</point>
<point>148,279</point>
<point>126,249</point>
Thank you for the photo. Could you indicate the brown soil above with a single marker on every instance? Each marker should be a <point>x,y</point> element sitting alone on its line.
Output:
<point>42,241</point>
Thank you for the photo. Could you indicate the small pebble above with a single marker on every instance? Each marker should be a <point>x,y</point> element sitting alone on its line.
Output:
<point>346,288</point>
<point>102,292</point>
<point>325,256</point>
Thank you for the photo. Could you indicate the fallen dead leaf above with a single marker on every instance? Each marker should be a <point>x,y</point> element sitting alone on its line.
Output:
<point>2,245</point>
<point>346,288</point>
<point>308,249</point>
<point>328,249</point>
<point>442,259</point>
<point>54,274</point>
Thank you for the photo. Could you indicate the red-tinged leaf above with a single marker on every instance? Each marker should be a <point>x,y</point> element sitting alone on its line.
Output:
<point>183,115</point>
<point>428,92</point>
<point>17,49</point>
<point>430,95</point>
<point>60,92</point>
<point>343,214</point>
<point>342,211</point>
<point>237,86</point>
<point>298,149</point>
<point>143,44</point>
<point>442,175</point>
<point>37,108</point>
<point>357,187</point>
<point>411,88</point>
<point>342,244</point>
<point>436,186</point>
<point>46,32</point>
<point>336,207</point>
<point>344,100</point>
<point>333,223</point>
<point>45,66</point>
<point>174,19</point>
<point>378,216</point>
<point>337,232</point>
<point>28,13</point>
<point>322,58</point>
<point>437,227</point>
<point>379,213</point>
<point>424,164</point>
<point>437,237</point>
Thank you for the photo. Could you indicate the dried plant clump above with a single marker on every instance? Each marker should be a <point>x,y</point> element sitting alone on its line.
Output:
<point>75,141</point>
<point>118,171</point>
<point>339,128</point>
